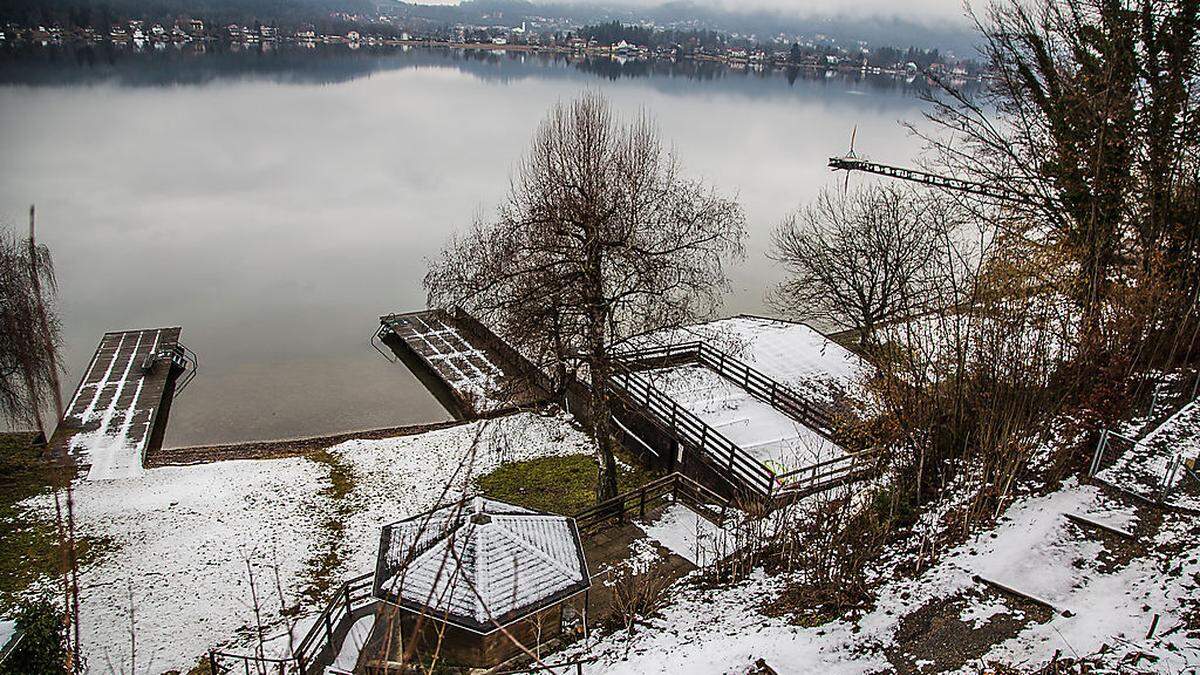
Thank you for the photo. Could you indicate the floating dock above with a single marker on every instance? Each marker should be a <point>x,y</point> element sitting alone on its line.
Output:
<point>466,366</point>
<point>119,411</point>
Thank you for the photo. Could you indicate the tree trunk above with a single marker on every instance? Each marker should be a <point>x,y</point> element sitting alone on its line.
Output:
<point>597,320</point>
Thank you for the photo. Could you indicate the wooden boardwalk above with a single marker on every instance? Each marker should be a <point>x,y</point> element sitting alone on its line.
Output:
<point>462,363</point>
<point>120,408</point>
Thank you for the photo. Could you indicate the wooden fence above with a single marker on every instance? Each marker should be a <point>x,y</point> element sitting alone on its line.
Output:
<point>318,646</point>
<point>823,475</point>
<point>673,488</point>
<point>741,469</point>
<point>818,416</point>
<point>564,668</point>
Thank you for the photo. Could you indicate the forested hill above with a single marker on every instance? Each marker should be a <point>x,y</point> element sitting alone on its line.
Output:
<point>103,13</point>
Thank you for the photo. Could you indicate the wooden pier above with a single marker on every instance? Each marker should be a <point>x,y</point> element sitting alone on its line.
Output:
<point>119,411</point>
<point>466,366</point>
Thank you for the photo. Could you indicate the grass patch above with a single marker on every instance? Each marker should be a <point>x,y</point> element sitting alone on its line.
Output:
<point>562,485</point>
<point>319,570</point>
<point>29,550</point>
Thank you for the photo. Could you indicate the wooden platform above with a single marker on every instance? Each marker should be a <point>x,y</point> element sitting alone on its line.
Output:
<point>461,362</point>
<point>120,408</point>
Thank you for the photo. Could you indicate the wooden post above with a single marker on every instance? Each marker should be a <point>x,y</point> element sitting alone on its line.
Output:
<point>212,662</point>
<point>1153,626</point>
<point>586,602</point>
<point>1100,445</point>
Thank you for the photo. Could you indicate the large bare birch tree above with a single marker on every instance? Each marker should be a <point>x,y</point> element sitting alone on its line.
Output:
<point>601,237</point>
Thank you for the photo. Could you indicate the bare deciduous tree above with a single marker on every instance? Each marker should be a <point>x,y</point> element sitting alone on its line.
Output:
<point>29,331</point>
<point>1091,112</point>
<point>859,258</point>
<point>601,237</point>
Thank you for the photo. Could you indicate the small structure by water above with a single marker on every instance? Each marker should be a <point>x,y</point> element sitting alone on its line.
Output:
<point>119,411</point>
<point>470,580</point>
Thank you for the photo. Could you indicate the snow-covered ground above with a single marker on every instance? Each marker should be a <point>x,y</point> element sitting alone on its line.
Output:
<point>7,630</point>
<point>791,353</point>
<point>683,532</point>
<point>184,536</point>
<point>1161,460</point>
<point>766,434</point>
<point>1034,549</point>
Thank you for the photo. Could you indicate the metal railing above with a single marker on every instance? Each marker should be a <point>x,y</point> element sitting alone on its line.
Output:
<point>675,487</point>
<point>188,362</point>
<point>353,596</point>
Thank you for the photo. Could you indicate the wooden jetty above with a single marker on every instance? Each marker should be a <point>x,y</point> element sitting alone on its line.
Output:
<point>119,411</point>
<point>467,367</point>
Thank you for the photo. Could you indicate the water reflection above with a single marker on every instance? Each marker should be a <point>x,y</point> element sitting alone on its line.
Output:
<point>200,63</point>
<point>274,204</point>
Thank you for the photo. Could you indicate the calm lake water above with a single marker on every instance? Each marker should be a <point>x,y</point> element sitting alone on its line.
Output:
<point>274,205</point>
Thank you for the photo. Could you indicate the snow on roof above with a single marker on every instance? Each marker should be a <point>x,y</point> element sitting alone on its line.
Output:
<point>480,562</point>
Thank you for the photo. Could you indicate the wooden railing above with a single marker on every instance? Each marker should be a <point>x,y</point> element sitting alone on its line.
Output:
<point>742,470</point>
<point>816,415</point>
<point>564,668</point>
<point>826,474</point>
<point>317,646</point>
<point>673,488</point>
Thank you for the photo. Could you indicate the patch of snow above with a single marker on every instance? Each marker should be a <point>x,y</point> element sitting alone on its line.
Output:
<point>762,430</point>
<point>182,535</point>
<point>183,538</point>
<point>792,353</point>
<point>1032,550</point>
<point>685,533</point>
<point>7,630</point>
<point>722,631</point>
<point>355,640</point>
<point>980,613</point>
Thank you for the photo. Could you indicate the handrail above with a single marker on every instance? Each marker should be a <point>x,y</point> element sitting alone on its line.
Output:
<point>342,605</point>
<point>378,335</point>
<point>758,384</point>
<point>182,358</point>
<point>676,485</point>
<point>695,432</point>
<point>577,663</point>
<point>838,469</point>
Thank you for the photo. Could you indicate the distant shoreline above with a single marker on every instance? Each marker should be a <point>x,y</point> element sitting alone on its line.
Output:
<point>735,63</point>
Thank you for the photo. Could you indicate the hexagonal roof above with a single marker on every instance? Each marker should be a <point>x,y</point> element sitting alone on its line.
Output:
<point>480,563</point>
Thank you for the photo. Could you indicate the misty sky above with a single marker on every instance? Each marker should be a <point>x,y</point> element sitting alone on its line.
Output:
<point>933,11</point>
